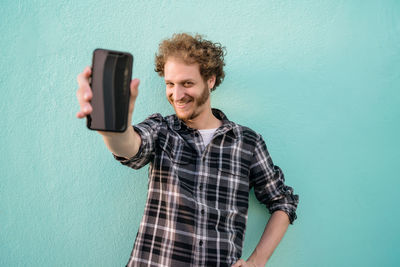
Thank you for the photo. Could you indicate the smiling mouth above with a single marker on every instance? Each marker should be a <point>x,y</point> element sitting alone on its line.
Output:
<point>182,105</point>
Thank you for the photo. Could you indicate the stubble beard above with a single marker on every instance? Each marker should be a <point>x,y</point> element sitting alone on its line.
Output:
<point>198,102</point>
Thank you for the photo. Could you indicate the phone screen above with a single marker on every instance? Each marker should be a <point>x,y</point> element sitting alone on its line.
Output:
<point>110,82</point>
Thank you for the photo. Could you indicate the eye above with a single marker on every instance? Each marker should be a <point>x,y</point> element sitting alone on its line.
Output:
<point>187,84</point>
<point>169,84</point>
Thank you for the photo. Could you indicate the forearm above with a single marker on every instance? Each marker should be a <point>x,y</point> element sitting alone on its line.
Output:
<point>273,234</point>
<point>124,144</point>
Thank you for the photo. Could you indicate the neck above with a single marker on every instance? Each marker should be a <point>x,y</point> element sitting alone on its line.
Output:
<point>205,120</point>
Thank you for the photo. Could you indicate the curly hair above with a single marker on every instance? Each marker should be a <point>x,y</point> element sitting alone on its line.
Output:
<point>193,49</point>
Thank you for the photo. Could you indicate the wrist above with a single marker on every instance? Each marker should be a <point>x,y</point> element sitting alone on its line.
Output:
<point>255,261</point>
<point>252,263</point>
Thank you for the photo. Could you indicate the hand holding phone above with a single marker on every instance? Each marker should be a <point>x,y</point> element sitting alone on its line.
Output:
<point>108,99</point>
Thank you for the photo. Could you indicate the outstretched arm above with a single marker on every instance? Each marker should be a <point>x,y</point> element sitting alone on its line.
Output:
<point>125,144</point>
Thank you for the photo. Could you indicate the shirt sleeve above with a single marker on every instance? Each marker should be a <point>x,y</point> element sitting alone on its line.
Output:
<point>268,181</point>
<point>148,131</point>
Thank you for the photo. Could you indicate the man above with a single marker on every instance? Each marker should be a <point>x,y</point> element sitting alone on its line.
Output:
<point>202,166</point>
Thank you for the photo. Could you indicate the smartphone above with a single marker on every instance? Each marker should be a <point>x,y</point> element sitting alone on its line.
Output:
<point>110,84</point>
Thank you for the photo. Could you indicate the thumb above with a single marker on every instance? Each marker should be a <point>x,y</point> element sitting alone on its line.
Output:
<point>134,88</point>
<point>134,93</point>
<point>239,263</point>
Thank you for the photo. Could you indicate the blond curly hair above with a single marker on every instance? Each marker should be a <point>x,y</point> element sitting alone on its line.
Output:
<point>193,49</point>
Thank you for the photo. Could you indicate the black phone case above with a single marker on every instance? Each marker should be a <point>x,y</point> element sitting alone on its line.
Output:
<point>110,84</point>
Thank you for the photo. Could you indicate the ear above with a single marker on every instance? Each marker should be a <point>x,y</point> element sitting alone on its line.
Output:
<point>211,82</point>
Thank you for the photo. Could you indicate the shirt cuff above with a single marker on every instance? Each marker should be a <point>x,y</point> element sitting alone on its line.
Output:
<point>290,213</point>
<point>125,161</point>
<point>288,204</point>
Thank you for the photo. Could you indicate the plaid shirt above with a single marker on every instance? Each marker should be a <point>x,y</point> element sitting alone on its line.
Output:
<point>196,209</point>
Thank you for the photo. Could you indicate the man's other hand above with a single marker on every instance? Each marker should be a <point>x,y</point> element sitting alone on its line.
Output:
<point>243,263</point>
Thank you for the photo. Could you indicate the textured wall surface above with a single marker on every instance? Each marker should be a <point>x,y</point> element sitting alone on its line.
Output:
<point>318,79</point>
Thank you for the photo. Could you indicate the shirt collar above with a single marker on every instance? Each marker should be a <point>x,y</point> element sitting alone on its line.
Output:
<point>227,125</point>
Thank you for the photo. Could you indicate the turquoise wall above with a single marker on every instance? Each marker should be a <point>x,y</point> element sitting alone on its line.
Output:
<point>318,79</point>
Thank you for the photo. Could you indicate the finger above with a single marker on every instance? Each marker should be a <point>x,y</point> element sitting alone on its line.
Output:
<point>87,71</point>
<point>84,104</point>
<point>87,94</point>
<point>134,88</point>
<point>86,109</point>
<point>80,115</point>
<point>134,94</point>
<point>84,93</point>
<point>84,75</point>
<point>239,263</point>
<point>83,81</point>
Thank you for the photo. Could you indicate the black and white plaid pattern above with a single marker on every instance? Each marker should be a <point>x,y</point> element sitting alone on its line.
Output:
<point>196,209</point>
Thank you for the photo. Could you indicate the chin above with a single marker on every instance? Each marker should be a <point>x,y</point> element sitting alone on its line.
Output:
<point>183,115</point>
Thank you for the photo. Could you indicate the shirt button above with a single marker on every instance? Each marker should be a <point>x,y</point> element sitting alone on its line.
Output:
<point>201,187</point>
<point>201,243</point>
<point>202,212</point>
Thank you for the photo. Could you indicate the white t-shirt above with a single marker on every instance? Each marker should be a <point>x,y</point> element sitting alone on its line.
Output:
<point>207,135</point>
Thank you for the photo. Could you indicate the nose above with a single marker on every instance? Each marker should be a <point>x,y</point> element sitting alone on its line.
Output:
<point>178,92</point>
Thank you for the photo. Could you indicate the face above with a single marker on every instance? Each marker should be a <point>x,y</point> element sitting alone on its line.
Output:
<point>186,89</point>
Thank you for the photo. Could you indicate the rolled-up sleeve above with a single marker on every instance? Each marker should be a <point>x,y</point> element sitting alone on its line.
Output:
<point>148,131</point>
<point>269,183</point>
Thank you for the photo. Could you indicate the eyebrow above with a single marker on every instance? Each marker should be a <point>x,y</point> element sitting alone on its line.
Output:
<point>181,81</point>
